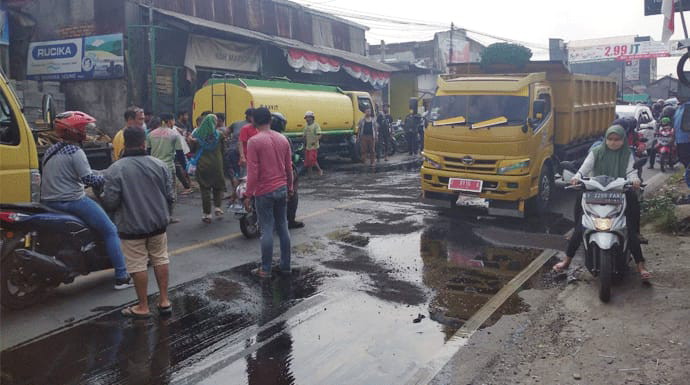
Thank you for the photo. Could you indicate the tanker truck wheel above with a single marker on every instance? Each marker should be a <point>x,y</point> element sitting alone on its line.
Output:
<point>539,205</point>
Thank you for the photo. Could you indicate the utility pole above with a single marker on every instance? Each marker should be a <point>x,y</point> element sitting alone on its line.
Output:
<point>450,51</point>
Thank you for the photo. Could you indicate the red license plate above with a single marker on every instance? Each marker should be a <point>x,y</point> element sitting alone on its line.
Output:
<point>460,184</point>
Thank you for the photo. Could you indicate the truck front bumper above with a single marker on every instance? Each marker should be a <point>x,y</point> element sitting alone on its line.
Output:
<point>503,192</point>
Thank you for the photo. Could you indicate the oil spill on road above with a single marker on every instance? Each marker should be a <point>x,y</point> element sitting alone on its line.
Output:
<point>207,313</point>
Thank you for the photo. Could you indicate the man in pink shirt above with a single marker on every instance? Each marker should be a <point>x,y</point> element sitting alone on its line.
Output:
<point>269,181</point>
<point>246,132</point>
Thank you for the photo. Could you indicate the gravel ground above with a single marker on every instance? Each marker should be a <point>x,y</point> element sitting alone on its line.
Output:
<point>570,337</point>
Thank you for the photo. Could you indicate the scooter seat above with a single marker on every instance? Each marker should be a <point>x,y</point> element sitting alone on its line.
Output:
<point>31,208</point>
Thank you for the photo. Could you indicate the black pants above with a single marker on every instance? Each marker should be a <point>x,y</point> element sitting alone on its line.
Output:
<point>652,155</point>
<point>411,142</point>
<point>632,216</point>
<point>292,207</point>
<point>182,176</point>
<point>382,145</point>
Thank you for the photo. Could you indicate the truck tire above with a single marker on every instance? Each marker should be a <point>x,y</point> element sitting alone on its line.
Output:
<point>539,205</point>
<point>605,273</point>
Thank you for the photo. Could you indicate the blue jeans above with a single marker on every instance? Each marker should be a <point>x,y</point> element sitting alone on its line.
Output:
<point>93,215</point>
<point>272,212</point>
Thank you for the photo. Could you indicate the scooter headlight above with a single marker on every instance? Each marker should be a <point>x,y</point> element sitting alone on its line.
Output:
<point>603,224</point>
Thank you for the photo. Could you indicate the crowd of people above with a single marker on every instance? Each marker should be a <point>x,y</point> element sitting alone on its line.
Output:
<point>137,193</point>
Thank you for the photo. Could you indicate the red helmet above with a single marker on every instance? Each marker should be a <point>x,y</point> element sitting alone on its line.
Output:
<point>71,125</point>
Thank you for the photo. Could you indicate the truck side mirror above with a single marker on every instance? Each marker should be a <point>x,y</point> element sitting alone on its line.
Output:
<point>538,107</point>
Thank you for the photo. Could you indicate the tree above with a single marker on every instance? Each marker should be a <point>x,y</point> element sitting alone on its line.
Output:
<point>505,53</point>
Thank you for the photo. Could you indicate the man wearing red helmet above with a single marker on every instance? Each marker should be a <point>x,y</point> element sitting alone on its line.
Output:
<point>65,173</point>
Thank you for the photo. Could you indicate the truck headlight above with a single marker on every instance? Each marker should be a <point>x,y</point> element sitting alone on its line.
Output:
<point>603,224</point>
<point>507,167</point>
<point>432,163</point>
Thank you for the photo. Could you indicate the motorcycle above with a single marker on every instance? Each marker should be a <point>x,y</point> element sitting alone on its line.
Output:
<point>249,220</point>
<point>605,236</point>
<point>666,148</point>
<point>42,248</point>
<point>398,137</point>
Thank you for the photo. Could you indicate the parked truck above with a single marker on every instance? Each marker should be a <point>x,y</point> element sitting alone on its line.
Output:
<point>337,111</point>
<point>20,176</point>
<point>495,138</point>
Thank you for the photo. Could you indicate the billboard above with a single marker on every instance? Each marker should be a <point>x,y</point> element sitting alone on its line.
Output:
<point>83,58</point>
<point>653,7</point>
<point>623,51</point>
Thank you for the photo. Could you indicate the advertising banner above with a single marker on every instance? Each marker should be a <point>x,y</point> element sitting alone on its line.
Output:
<point>84,58</point>
<point>619,51</point>
<point>221,54</point>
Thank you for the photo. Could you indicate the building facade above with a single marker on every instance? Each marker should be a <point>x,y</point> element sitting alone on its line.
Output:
<point>157,53</point>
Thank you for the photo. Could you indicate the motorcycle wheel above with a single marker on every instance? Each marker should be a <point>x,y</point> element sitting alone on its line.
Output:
<point>16,294</point>
<point>662,163</point>
<point>401,144</point>
<point>392,146</point>
<point>249,225</point>
<point>605,274</point>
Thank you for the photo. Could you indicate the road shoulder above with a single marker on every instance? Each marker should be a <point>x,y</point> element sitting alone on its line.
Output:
<point>569,336</point>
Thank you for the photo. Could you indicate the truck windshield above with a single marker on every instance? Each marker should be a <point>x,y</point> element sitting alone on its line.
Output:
<point>479,108</point>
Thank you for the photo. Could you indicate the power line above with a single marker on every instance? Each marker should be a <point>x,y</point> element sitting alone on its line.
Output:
<point>373,17</point>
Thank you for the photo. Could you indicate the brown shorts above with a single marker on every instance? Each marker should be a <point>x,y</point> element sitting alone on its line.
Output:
<point>138,252</point>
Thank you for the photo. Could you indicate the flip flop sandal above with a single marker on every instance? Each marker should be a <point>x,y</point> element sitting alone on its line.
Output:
<point>645,277</point>
<point>165,310</point>
<point>206,219</point>
<point>129,313</point>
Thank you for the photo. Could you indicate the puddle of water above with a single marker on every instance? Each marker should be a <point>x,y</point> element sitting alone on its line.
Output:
<point>357,340</point>
<point>207,313</point>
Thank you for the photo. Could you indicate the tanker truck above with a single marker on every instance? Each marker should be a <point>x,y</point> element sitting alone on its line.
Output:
<point>336,111</point>
<point>495,140</point>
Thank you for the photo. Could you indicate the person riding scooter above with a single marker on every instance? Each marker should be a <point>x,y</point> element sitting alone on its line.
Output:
<point>612,158</point>
<point>66,171</point>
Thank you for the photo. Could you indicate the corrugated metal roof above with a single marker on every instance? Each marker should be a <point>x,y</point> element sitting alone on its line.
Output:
<point>277,40</point>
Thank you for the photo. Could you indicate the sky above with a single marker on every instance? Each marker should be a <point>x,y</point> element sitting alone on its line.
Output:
<point>528,21</point>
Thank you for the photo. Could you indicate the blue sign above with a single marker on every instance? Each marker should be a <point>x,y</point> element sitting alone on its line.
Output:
<point>84,58</point>
<point>54,51</point>
<point>4,27</point>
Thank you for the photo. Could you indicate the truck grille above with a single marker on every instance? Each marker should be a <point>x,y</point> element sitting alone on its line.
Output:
<point>485,166</point>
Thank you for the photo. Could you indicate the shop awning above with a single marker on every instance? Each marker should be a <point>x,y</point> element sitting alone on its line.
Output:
<point>301,56</point>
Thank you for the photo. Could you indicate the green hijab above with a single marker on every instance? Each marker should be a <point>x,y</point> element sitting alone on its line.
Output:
<point>610,162</point>
<point>207,127</point>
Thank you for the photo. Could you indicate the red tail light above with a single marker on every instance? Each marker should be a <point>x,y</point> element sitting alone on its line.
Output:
<point>11,216</point>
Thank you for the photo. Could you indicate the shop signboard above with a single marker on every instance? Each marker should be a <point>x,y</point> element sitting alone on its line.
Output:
<point>653,7</point>
<point>4,27</point>
<point>83,58</point>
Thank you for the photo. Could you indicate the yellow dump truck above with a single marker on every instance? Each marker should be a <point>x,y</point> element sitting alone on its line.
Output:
<point>20,179</point>
<point>495,140</point>
<point>337,111</point>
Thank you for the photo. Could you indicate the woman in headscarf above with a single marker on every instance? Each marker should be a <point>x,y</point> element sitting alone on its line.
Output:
<point>612,158</point>
<point>209,169</point>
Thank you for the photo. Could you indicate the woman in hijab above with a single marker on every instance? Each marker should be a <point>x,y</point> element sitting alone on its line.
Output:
<point>209,170</point>
<point>612,158</point>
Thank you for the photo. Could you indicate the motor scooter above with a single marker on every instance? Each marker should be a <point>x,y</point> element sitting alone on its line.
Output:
<point>605,235</point>
<point>666,148</point>
<point>42,248</point>
<point>249,221</point>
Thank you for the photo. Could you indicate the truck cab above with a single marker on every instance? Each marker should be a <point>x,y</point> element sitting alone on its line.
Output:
<point>495,140</point>
<point>20,178</point>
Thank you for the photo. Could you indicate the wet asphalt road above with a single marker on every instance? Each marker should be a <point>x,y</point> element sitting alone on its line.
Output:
<point>381,282</point>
